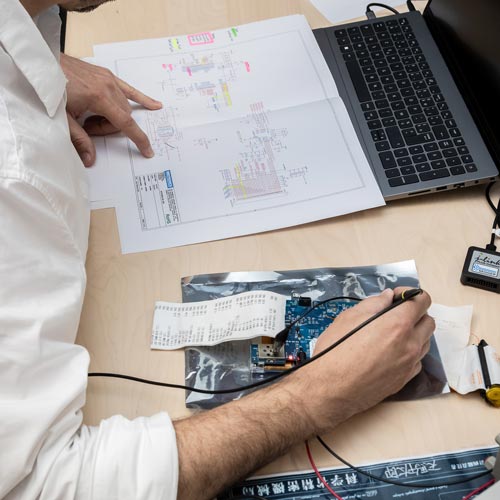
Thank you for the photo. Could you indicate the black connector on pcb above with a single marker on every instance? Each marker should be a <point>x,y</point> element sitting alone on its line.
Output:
<point>482,269</point>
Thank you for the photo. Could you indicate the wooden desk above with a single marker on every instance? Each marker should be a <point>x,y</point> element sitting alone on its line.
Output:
<point>434,230</point>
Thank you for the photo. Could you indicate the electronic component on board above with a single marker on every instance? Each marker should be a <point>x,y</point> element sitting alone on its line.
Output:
<point>267,357</point>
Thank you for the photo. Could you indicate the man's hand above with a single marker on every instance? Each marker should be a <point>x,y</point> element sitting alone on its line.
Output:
<point>95,89</point>
<point>374,363</point>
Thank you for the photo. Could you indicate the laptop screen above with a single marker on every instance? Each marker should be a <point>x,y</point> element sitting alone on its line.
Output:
<point>468,34</point>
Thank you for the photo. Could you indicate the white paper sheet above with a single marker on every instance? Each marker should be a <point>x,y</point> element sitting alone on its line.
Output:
<point>252,137</point>
<point>210,322</point>
<point>337,11</point>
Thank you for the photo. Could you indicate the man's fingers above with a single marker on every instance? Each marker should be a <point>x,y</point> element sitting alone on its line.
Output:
<point>423,332</point>
<point>376,303</point>
<point>82,142</point>
<point>123,121</point>
<point>137,96</point>
<point>414,308</point>
<point>98,125</point>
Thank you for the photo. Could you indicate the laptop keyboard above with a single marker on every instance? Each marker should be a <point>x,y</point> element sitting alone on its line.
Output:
<point>413,130</point>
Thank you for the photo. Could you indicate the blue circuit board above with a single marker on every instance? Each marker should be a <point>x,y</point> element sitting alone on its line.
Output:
<point>301,339</point>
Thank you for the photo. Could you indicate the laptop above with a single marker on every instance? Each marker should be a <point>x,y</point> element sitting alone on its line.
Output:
<point>423,93</point>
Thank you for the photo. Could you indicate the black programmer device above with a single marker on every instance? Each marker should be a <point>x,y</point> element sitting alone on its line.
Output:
<point>482,269</point>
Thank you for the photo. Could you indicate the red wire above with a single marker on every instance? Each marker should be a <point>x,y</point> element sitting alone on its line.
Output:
<point>318,473</point>
<point>477,490</point>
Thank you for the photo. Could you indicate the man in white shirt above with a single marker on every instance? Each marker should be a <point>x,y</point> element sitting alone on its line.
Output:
<point>45,451</point>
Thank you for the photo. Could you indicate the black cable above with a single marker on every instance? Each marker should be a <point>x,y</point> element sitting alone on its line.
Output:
<point>488,196</point>
<point>398,483</point>
<point>409,294</point>
<point>383,6</point>
<point>496,221</point>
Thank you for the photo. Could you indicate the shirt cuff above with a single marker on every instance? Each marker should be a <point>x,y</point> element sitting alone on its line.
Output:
<point>129,459</point>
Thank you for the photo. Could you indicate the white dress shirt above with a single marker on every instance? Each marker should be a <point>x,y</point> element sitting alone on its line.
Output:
<point>45,452</point>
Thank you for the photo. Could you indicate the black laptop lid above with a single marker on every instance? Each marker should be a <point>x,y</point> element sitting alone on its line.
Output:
<point>468,34</point>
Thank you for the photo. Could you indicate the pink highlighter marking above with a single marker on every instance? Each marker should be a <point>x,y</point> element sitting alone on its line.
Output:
<point>164,66</point>
<point>170,67</point>
<point>188,69</point>
<point>247,66</point>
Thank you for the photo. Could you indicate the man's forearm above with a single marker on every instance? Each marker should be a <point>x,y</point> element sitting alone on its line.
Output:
<point>219,447</point>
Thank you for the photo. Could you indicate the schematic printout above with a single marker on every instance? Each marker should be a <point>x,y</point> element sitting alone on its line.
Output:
<point>253,136</point>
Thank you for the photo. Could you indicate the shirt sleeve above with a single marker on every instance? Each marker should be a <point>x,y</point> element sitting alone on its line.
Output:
<point>45,452</point>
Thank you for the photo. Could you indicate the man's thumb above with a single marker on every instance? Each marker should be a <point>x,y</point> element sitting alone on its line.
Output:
<point>82,142</point>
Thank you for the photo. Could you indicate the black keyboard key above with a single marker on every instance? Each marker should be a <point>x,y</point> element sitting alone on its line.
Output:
<point>467,159</point>
<point>374,47</point>
<point>391,87</point>
<point>452,162</point>
<point>419,119</point>
<point>407,92</point>
<point>366,29</point>
<point>401,181</point>
<point>398,105</point>
<point>392,172</point>
<point>415,150</point>
<point>374,124</point>
<point>368,70</point>
<point>438,98</point>
<point>360,46</point>
<point>382,146</point>
<point>354,30</point>
<point>349,56</point>
<point>423,93</point>
<point>379,26</point>
<point>413,110</point>
<point>366,61</point>
<point>394,58</point>
<point>450,123</point>
<point>432,146</point>
<point>426,102</point>
<point>395,137</point>
<point>419,139</point>
<point>340,33</point>
<point>404,162</point>
<point>457,170</point>
<point>463,150</point>
<point>379,94</point>
<point>459,141</point>
<point>371,78</point>
<point>346,48</point>
<point>408,170</point>
<point>401,114</point>
<point>471,167</point>
<point>399,153</point>
<point>423,167</point>
<point>397,181</point>
<point>358,81</point>
<point>387,79</point>
<point>404,83</point>
<point>431,111</point>
<point>419,85</point>
<point>434,174</point>
<point>367,106</point>
<point>445,144</point>
<point>438,164</point>
<point>435,89</point>
<point>389,122</point>
<point>400,75</point>
<point>435,120</point>
<point>434,155</point>
<point>383,68</point>
<point>387,159</point>
<point>378,135</point>
<point>422,128</point>
<point>420,158</point>
<point>454,132</point>
<point>371,115</point>
<point>441,132</point>
<point>448,153</point>
<point>343,40</point>
<point>443,107</point>
<point>382,103</point>
<point>415,77</point>
<point>394,96</point>
<point>407,123</point>
<point>385,112</point>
